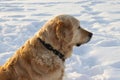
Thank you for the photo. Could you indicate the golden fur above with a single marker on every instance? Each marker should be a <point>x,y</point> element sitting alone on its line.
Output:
<point>34,62</point>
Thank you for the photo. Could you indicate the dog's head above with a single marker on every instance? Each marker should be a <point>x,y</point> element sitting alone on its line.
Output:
<point>68,29</point>
<point>63,32</point>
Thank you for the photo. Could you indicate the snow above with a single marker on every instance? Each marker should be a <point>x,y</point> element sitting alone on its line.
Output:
<point>97,60</point>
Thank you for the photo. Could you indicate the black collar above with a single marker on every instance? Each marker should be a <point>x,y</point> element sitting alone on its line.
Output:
<point>49,47</point>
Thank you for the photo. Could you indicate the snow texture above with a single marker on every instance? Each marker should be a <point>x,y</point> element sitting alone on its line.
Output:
<point>97,60</point>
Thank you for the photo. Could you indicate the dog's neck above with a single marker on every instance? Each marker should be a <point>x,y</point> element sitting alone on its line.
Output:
<point>49,47</point>
<point>60,45</point>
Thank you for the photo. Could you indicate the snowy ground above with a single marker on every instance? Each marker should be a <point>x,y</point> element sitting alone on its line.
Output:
<point>97,60</point>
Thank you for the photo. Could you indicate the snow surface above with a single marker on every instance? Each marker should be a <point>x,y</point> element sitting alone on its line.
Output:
<point>96,60</point>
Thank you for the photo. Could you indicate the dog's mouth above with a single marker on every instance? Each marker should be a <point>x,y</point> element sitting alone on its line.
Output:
<point>78,44</point>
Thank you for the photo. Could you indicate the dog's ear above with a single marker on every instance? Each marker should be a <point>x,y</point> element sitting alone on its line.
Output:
<point>64,31</point>
<point>60,30</point>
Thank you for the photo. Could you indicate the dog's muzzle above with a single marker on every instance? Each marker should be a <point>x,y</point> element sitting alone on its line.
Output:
<point>89,38</point>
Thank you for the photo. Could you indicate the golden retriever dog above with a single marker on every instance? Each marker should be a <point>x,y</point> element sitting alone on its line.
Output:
<point>42,57</point>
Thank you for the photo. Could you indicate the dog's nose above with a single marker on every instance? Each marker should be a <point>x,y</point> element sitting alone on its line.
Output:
<point>90,35</point>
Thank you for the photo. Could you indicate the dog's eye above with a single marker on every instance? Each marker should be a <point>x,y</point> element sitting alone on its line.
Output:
<point>79,27</point>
